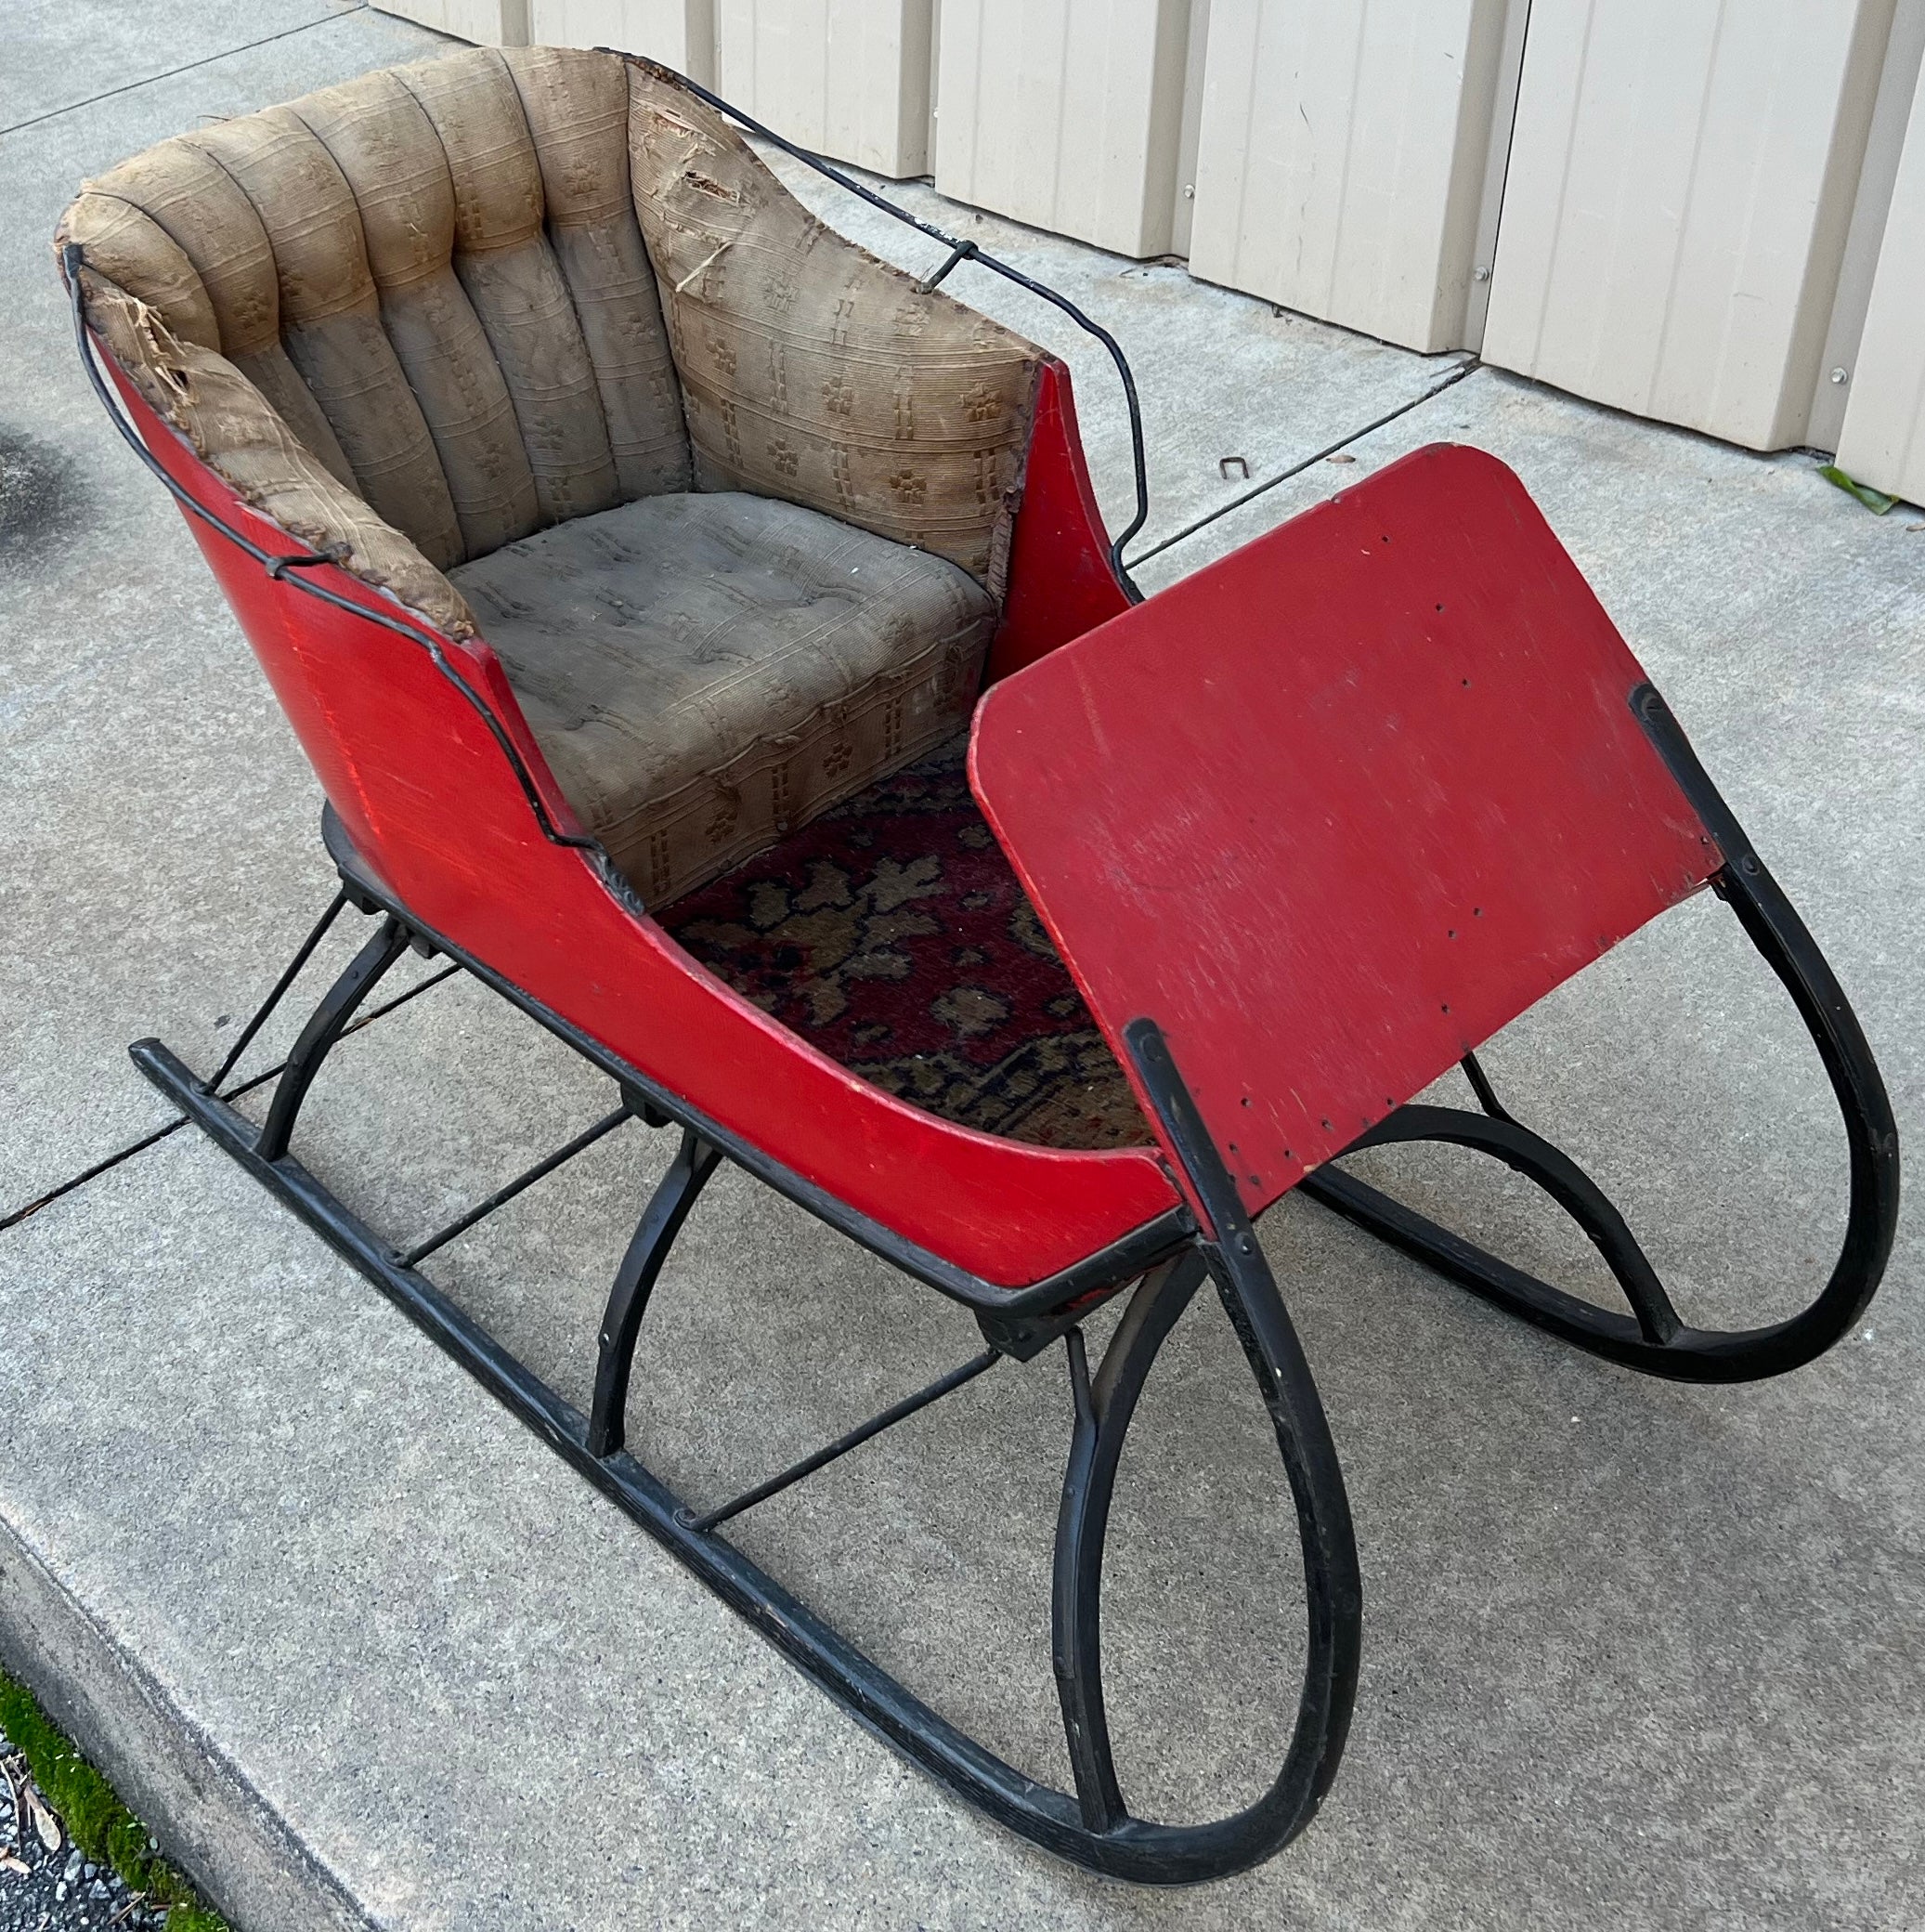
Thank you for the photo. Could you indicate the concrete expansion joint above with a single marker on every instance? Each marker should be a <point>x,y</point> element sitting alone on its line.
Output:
<point>1466,368</point>
<point>167,74</point>
<point>146,1141</point>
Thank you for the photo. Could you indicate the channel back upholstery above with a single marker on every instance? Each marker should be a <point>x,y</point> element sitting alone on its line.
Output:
<point>436,279</point>
<point>418,322</point>
<point>435,275</point>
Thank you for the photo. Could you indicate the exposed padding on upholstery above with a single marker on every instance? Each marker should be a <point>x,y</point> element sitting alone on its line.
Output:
<point>707,672</point>
<point>202,210</point>
<point>391,158</point>
<point>811,370</point>
<point>331,320</point>
<point>225,419</point>
<point>577,109</point>
<point>512,278</point>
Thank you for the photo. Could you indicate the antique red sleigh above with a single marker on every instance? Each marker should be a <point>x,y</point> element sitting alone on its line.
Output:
<point>636,559</point>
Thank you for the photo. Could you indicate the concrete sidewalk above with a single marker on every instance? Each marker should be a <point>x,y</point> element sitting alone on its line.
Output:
<point>369,1656</point>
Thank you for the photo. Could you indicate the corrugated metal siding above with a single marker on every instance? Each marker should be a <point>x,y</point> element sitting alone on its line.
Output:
<point>680,33</point>
<point>1190,125</point>
<point>1065,113</point>
<point>1675,206</point>
<point>1343,156</point>
<point>849,78</point>
<point>1680,180</point>
<point>1496,163</point>
<point>1884,434</point>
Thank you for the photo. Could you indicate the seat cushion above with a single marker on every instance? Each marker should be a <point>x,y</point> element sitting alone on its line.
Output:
<point>707,672</point>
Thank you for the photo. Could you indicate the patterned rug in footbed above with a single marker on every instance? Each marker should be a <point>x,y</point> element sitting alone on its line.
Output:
<point>891,935</point>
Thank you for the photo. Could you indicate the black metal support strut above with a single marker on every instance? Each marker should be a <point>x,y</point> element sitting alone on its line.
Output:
<point>546,1165</point>
<point>1655,1338</point>
<point>1332,1581</point>
<point>634,1281</point>
<point>324,1027</point>
<point>853,1439</point>
<point>1102,1411</point>
<point>1091,1827</point>
<point>1169,1260</point>
<point>278,992</point>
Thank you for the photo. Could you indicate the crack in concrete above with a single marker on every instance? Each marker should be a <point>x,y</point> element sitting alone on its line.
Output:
<point>160,1133</point>
<point>74,107</point>
<point>1469,366</point>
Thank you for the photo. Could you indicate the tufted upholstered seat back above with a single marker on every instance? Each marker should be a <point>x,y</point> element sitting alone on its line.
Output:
<point>439,279</point>
<point>462,324</point>
<point>435,274</point>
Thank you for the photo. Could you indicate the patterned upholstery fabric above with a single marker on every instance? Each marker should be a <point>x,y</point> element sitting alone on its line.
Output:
<point>419,318</point>
<point>381,261</point>
<point>811,371</point>
<point>705,673</point>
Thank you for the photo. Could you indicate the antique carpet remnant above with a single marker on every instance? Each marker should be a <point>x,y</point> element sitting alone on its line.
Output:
<point>892,934</point>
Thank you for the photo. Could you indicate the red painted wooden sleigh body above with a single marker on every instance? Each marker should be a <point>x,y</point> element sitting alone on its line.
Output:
<point>1305,830</point>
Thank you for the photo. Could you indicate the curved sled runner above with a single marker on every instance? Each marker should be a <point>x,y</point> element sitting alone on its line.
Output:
<point>1304,831</point>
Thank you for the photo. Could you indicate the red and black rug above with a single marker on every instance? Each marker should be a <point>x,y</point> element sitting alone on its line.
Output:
<point>892,934</point>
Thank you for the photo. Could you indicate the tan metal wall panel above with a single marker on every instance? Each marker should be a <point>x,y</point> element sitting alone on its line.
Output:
<point>1681,181</point>
<point>1343,156</point>
<point>849,78</point>
<point>1905,53</point>
<point>1496,163</point>
<point>1883,442</point>
<point>1065,113</point>
<point>1189,127</point>
<point>490,23</point>
<point>680,33</point>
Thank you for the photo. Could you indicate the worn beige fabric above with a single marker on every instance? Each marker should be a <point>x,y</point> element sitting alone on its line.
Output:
<point>218,410</point>
<point>811,371</point>
<point>392,161</point>
<point>510,272</point>
<point>130,249</point>
<point>525,323</point>
<point>331,320</point>
<point>705,673</point>
<point>578,111</point>
<point>382,260</point>
<point>200,207</point>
